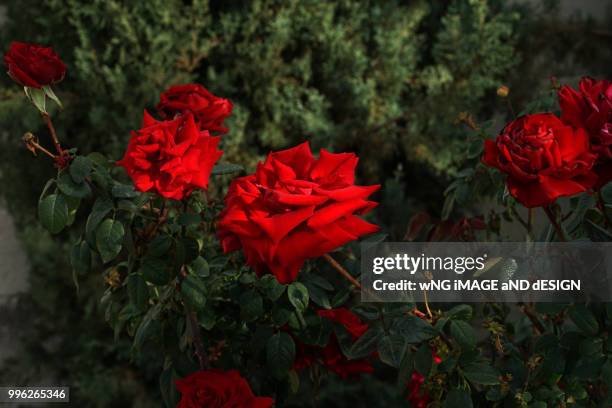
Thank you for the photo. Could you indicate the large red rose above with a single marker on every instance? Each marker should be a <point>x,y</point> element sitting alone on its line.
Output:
<point>293,208</point>
<point>543,157</point>
<point>590,108</point>
<point>218,389</point>
<point>208,110</point>
<point>170,158</point>
<point>331,355</point>
<point>33,65</point>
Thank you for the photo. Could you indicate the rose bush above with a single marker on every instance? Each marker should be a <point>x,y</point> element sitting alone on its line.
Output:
<point>226,333</point>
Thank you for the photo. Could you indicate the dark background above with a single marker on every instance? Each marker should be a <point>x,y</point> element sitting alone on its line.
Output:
<point>388,80</point>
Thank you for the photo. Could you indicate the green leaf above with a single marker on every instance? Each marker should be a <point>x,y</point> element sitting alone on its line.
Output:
<point>159,245</point>
<point>37,97</point>
<point>80,169</point>
<point>124,191</point>
<point>366,344</point>
<point>298,296</point>
<point>391,349</point>
<point>481,373</point>
<point>102,206</point>
<point>414,329</point>
<point>458,398</point>
<point>460,312</point>
<point>226,168</point>
<point>144,328</point>
<point>80,258</point>
<point>280,354</point>
<point>193,291</point>
<point>606,193</point>
<point>72,189</point>
<point>138,291</point>
<point>155,270</point>
<point>109,239</point>
<point>53,213</point>
<point>251,305</point>
<point>270,286</point>
<point>187,250</point>
<point>49,92</point>
<point>584,319</point>
<point>463,333</point>
<point>200,267</point>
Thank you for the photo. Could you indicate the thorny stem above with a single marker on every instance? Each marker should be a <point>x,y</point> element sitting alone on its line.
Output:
<point>534,319</point>
<point>342,271</point>
<point>56,142</point>
<point>555,224</point>
<point>194,328</point>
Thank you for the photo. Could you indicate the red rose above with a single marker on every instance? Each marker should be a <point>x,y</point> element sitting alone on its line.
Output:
<point>590,108</point>
<point>218,389</point>
<point>544,159</point>
<point>208,110</point>
<point>170,158</point>
<point>331,355</point>
<point>293,208</point>
<point>33,65</point>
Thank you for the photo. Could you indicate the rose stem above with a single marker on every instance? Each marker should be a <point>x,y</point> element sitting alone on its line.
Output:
<point>555,223</point>
<point>342,271</point>
<point>42,149</point>
<point>195,331</point>
<point>56,142</point>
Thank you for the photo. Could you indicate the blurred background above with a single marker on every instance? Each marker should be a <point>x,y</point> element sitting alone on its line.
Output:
<point>389,80</point>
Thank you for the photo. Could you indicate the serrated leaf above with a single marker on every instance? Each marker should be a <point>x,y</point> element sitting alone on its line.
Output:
<point>414,329</point>
<point>200,267</point>
<point>280,354</point>
<point>102,206</point>
<point>144,328</point>
<point>159,245</point>
<point>481,373</point>
<point>124,191</point>
<point>271,287</point>
<point>298,296</point>
<point>194,292</point>
<point>391,349</point>
<point>109,239</point>
<point>80,169</point>
<point>584,319</point>
<point>463,333</point>
<point>68,186</point>
<point>53,213</point>
<point>366,344</point>
<point>460,312</point>
<point>251,305</point>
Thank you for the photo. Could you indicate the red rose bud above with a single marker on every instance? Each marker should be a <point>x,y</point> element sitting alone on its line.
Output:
<point>590,108</point>
<point>170,158</point>
<point>208,110</point>
<point>218,389</point>
<point>33,65</point>
<point>544,159</point>
<point>293,208</point>
<point>331,356</point>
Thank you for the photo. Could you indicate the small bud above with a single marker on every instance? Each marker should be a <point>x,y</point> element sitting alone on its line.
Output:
<point>30,142</point>
<point>503,91</point>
